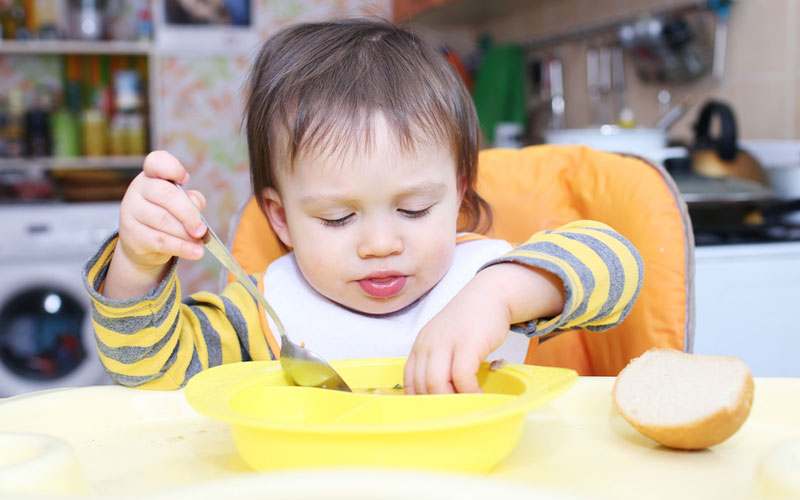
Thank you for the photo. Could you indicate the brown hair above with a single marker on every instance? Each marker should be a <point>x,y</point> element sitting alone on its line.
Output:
<point>319,85</point>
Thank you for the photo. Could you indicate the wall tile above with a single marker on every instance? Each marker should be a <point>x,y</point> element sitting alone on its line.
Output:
<point>760,107</point>
<point>793,63</point>
<point>795,87</point>
<point>510,28</point>
<point>758,35</point>
<point>573,57</point>
<point>566,13</point>
<point>793,25</point>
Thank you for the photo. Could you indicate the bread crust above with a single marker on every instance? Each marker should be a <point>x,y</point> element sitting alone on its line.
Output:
<point>701,433</point>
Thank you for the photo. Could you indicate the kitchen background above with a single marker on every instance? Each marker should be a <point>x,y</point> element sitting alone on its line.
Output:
<point>122,78</point>
<point>761,61</point>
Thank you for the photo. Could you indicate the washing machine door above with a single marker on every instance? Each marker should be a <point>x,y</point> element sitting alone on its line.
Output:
<point>43,341</point>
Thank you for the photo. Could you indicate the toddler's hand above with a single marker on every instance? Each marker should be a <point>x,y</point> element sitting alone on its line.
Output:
<point>450,348</point>
<point>156,223</point>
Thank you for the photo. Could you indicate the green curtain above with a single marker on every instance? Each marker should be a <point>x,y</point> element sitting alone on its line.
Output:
<point>499,93</point>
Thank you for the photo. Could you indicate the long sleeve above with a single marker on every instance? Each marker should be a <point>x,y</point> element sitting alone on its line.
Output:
<point>601,271</point>
<point>158,342</point>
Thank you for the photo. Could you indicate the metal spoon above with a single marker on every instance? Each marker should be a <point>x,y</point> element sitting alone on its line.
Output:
<point>300,366</point>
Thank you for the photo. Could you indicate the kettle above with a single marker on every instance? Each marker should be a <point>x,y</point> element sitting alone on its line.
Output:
<point>721,156</point>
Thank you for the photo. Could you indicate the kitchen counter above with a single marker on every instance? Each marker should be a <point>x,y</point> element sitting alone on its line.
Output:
<point>130,443</point>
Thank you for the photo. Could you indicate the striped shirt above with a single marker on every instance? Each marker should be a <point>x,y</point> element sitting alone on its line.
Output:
<point>159,341</point>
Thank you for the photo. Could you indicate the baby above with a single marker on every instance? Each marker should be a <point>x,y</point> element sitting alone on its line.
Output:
<point>363,154</point>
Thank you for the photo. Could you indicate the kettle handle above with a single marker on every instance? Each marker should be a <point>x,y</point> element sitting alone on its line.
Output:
<point>725,145</point>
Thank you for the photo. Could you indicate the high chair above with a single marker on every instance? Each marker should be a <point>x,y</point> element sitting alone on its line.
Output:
<point>543,187</point>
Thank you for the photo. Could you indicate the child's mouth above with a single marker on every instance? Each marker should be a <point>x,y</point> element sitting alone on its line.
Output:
<point>383,286</point>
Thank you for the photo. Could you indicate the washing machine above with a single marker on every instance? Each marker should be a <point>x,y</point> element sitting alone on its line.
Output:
<point>46,337</point>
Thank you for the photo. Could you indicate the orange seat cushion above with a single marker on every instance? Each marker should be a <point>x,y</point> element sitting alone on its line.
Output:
<point>544,187</point>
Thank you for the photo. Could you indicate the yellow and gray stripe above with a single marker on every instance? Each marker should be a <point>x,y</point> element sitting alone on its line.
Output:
<point>157,342</point>
<point>601,271</point>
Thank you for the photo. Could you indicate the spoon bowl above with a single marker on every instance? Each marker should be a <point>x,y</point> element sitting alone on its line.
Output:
<point>305,368</point>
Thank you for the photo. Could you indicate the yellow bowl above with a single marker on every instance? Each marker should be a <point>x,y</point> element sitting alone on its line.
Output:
<point>275,425</point>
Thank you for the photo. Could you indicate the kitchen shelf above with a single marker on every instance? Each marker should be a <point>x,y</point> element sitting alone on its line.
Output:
<point>74,47</point>
<point>472,12</point>
<point>77,163</point>
<point>140,49</point>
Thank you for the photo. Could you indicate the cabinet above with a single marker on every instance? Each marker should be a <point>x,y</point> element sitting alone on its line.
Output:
<point>403,10</point>
<point>76,117</point>
<point>452,11</point>
<point>746,299</point>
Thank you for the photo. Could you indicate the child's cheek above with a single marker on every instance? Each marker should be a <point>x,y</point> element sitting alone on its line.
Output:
<point>443,254</point>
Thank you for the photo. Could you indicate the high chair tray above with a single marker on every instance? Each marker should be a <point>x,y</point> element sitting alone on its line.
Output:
<point>152,445</point>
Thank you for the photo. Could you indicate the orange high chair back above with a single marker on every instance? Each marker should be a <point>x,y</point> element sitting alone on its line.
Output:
<point>543,187</point>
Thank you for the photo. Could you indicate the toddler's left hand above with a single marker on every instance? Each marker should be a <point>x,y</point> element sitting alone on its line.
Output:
<point>449,349</point>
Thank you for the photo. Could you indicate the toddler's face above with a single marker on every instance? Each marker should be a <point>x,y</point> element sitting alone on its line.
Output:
<point>373,232</point>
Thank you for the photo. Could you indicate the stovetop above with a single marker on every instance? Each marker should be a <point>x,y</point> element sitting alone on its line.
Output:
<point>746,234</point>
<point>741,223</point>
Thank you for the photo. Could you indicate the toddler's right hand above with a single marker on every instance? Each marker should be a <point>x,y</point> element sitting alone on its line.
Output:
<point>155,222</point>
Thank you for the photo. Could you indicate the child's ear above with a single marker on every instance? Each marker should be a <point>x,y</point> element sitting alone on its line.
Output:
<point>462,189</point>
<point>276,214</point>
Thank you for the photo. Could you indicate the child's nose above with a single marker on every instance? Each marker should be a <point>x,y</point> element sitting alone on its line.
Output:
<point>379,240</point>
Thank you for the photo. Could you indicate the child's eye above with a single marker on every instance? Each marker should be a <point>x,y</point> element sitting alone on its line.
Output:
<point>416,214</point>
<point>341,221</point>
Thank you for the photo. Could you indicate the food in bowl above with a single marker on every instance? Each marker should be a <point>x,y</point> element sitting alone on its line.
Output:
<point>393,390</point>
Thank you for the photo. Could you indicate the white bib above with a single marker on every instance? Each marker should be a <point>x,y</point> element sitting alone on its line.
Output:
<point>335,332</point>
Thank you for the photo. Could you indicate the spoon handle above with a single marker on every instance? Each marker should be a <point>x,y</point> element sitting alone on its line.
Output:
<point>221,253</point>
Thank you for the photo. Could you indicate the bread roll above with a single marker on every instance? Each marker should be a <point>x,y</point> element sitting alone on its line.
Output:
<point>685,401</point>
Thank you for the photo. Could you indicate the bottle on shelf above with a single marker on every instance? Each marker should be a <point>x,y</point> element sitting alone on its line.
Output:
<point>116,136</point>
<point>128,20</point>
<point>87,19</point>
<point>99,84</point>
<point>66,120</point>
<point>144,21</point>
<point>3,122</point>
<point>136,136</point>
<point>128,135</point>
<point>93,120</point>
<point>47,17</point>
<point>15,21</point>
<point>93,130</point>
<point>15,124</point>
<point>38,138</point>
<point>66,130</point>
